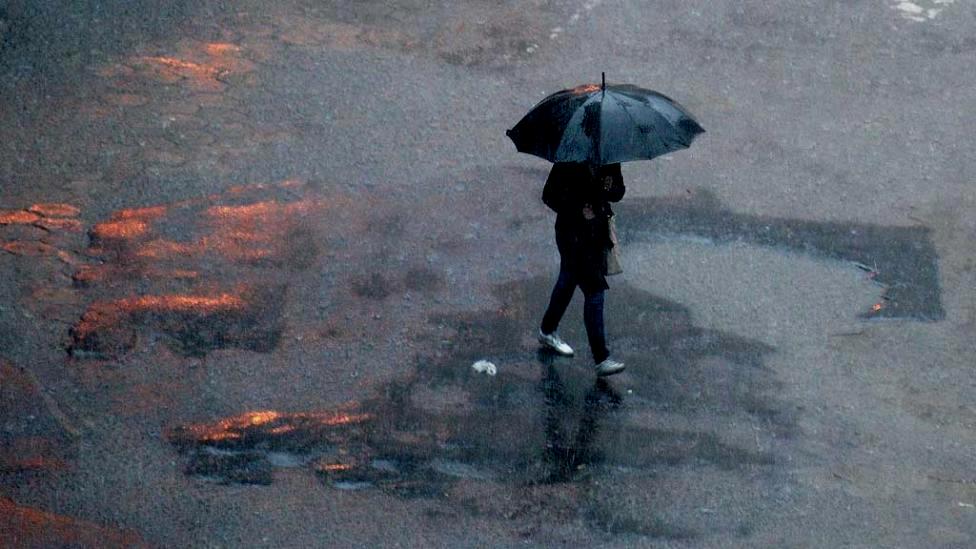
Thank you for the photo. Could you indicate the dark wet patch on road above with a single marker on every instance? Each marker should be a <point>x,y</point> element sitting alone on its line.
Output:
<point>243,449</point>
<point>543,428</point>
<point>379,286</point>
<point>38,443</point>
<point>23,526</point>
<point>421,279</point>
<point>374,286</point>
<point>201,274</point>
<point>902,259</point>
<point>39,230</point>
<point>34,435</point>
<point>192,324</point>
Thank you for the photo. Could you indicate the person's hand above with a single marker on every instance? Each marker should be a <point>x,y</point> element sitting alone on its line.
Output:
<point>588,212</point>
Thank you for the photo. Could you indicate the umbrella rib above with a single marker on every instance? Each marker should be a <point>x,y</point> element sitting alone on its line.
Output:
<point>599,123</point>
<point>578,113</point>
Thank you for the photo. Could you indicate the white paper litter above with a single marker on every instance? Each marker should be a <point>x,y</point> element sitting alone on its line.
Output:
<point>485,367</point>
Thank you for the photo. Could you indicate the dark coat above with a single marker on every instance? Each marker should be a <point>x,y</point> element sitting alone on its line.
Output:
<point>582,243</point>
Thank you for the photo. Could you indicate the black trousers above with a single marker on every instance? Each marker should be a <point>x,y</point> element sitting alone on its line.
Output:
<point>562,294</point>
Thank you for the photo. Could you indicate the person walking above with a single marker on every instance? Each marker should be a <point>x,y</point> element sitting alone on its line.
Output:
<point>580,194</point>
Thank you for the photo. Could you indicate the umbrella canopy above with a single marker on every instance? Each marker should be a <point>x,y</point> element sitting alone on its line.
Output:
<point>603,124</point>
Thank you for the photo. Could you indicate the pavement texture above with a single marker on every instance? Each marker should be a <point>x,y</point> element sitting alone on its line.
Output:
<point>250,253</point>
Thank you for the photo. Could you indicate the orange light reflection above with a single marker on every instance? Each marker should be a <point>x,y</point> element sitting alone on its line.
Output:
<point>19,217</point>
<point>334,467</point>
<point>187,67</point>
<point>121,229</point>
<point>260,418</point>
<point>55,210</point>
<point>110,314</point>
<point>233,428</point>
<point>221,48</point>
<point>182,303</point>
<point>585,88</point>
<point>54,224</point>
<point>247,232</point>
<point>23,247</point>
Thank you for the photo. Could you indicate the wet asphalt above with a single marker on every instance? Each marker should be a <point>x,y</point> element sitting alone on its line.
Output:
<point>249,255</point>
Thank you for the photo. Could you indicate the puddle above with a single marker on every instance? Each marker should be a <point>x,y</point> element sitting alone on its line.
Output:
<point>763,293</point>
<point>902,259</point>
<point>448,433</point>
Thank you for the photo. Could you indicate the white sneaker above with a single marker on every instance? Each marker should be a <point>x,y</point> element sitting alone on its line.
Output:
<point>609,367</point>
<point>555,343</point>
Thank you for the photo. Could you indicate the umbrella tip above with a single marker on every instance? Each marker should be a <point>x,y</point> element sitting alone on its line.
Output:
<point>603,77</point>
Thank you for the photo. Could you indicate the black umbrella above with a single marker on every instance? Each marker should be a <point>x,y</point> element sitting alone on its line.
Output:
<point>604,124</point>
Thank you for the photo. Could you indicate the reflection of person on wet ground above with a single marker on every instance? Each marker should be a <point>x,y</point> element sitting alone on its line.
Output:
<point>580,194</point>
<point>564,458</point>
